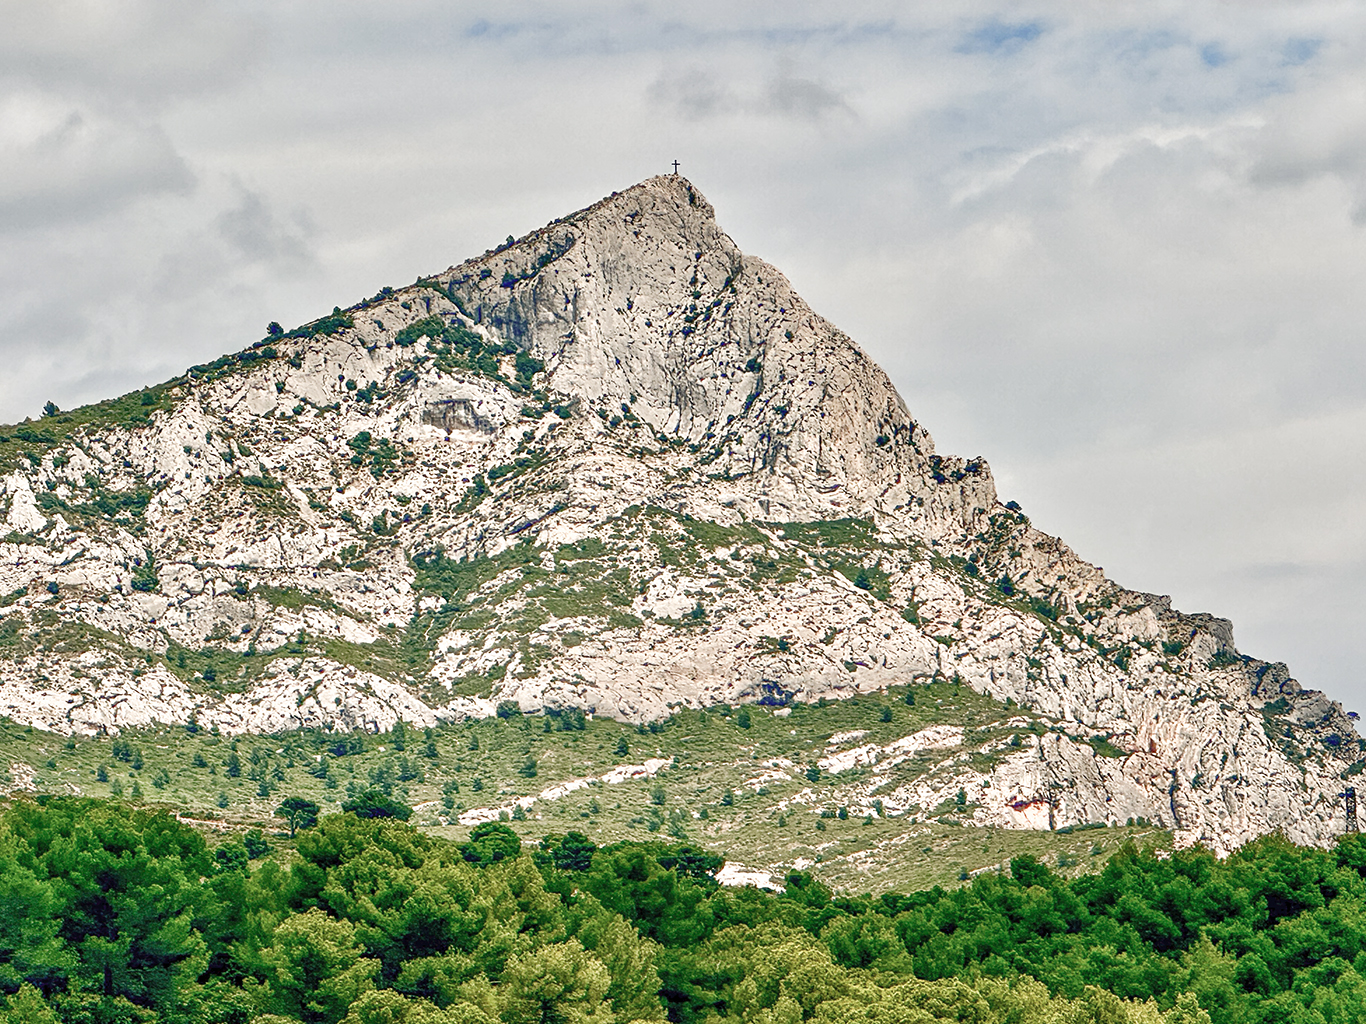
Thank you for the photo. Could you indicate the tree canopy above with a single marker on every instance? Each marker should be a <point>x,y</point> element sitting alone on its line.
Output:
<point>375,804</point>
<point>298,812</point>
<point>127,916</point>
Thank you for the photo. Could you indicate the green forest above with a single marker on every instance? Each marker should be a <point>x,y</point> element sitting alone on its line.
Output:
<point>116,914</point>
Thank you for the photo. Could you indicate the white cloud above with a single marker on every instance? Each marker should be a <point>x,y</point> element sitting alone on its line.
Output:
<point>1319,131</point>
<point>150,51</point>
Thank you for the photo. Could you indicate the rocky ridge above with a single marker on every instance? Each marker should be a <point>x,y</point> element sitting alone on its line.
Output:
<point>615,464</point>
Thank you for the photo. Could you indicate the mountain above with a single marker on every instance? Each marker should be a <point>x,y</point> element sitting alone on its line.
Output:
<point>620,466</point>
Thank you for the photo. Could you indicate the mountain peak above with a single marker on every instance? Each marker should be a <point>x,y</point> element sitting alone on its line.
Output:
<point>642,299</point>
<point>621,466</point>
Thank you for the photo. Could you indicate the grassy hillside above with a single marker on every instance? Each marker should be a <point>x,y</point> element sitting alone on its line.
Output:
<point>743,783</point>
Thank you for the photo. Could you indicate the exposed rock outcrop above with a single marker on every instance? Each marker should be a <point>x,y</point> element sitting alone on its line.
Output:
<point>620,465</point>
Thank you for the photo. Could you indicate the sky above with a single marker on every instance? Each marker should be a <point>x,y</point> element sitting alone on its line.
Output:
<point>1115,248</point>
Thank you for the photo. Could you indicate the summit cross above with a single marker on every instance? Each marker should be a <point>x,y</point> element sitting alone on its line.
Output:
<point>675,166</point>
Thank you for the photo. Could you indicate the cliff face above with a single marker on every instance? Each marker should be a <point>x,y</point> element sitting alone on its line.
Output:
<point>620,465</point>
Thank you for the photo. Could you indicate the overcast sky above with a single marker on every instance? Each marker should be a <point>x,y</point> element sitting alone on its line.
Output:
<point>1116,248</point>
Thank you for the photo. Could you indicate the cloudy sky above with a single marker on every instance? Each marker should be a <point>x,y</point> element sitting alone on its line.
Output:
<point>1117,248</point>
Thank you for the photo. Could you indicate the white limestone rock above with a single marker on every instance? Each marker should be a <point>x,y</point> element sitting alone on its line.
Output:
<point>674,485</point>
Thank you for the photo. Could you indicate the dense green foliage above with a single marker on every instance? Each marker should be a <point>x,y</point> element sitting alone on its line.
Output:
<point>1276,933</point>
<point>113,914</point>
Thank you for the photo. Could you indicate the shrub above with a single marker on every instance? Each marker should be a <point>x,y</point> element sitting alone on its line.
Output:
<point>255,842</point>
<point>572,853</point>
<point>328,325</point>
<point>230,857</point>
<point>145,579</point>
<point>374,804</point>
<point>490,843</point>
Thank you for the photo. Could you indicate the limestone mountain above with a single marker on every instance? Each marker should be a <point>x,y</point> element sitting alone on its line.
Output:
<point>617,465</point>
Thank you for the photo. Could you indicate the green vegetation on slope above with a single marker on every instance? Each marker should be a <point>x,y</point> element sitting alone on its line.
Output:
<point>740,782</point>
<point>26,445</point>
<point>113,913</point>
<point>746,782</point>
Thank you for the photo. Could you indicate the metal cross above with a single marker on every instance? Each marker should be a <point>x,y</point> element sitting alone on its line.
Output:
<point>675,166</point>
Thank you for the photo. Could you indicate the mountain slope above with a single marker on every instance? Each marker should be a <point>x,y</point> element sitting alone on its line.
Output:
<point>618,465</point>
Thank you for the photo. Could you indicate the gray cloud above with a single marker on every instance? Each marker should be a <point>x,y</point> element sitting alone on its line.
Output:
<point>256,234</point>
<point>1315,133</point>
<point>150,50</point>
<point>693,93</point>
<point>794,95</point>
<point>60,160</point>
<point>698,92</point>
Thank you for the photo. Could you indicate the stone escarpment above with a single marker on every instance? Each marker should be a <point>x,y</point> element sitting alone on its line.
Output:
<point>620,465</point>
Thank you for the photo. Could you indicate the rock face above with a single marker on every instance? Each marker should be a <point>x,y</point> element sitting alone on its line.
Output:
<point>616,464</point>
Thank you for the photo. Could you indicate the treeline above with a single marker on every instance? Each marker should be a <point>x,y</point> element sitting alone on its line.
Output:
<point>117,915</point>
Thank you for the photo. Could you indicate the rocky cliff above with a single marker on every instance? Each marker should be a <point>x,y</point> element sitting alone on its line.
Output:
<point>620,465</point>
